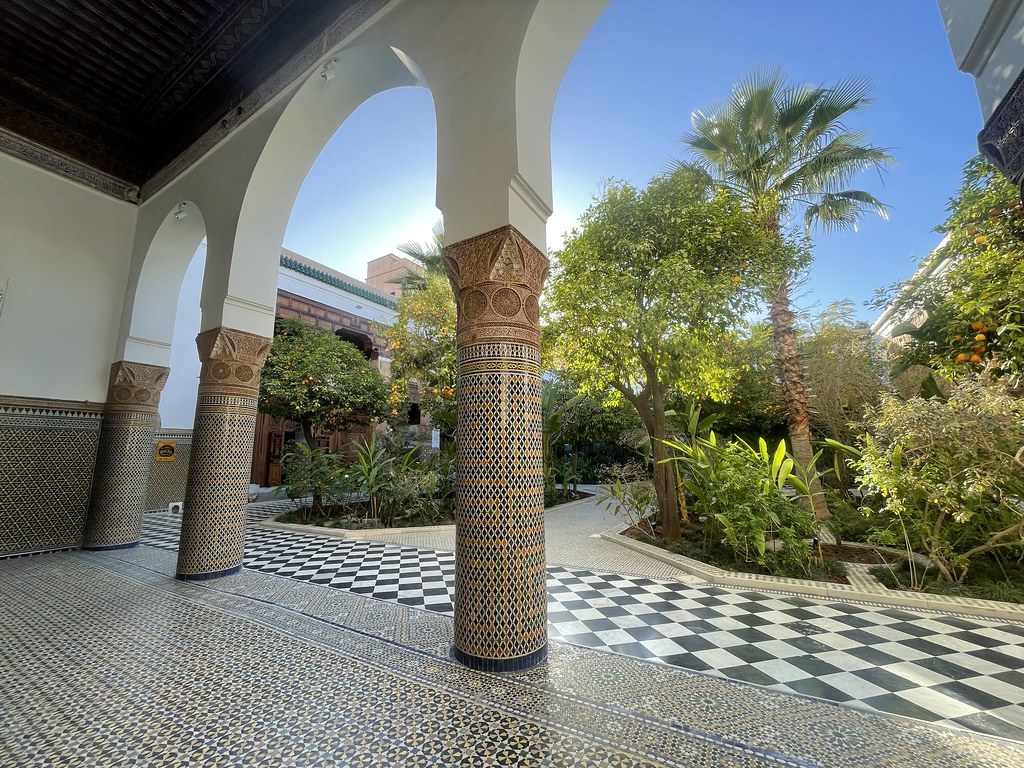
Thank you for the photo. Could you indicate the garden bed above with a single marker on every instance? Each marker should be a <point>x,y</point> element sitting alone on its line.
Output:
<point>695,545</point>
<point>355,516</point>
<point>359,520</point>
<point>863,553</point>
<point>985,582</point>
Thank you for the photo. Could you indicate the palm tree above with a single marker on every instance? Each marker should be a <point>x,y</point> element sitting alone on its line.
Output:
<point>782,147</point>
<point>429,258</point>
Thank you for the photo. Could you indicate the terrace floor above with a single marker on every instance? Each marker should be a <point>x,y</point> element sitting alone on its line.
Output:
<point>328,651</point>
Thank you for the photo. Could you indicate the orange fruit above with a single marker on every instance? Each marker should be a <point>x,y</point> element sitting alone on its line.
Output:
<point>976,326</point>
<point>980,240</point>
<point>972,231</point>
<point>979,348</point>
<point>957,337</point>
<point>980,337</point>
<point>975,358</point>
<point>984,329</point>
<point>961,358</point>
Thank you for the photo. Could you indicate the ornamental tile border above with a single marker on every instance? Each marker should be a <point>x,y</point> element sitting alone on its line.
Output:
<point>858,591</point>
<point>325,277</point>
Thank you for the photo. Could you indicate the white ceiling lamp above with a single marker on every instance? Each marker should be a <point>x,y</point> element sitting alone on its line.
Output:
<point>327,73</point>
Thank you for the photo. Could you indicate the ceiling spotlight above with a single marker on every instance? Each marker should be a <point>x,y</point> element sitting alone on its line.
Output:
<point>181,213</point>
<point>327,73</point>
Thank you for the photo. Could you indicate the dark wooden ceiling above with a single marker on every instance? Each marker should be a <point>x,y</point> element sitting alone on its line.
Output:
<point>124,86</point>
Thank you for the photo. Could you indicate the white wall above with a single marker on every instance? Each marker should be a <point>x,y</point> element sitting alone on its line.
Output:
<point>65,250</point>
<point>987,39</point>
<point>178,401</point>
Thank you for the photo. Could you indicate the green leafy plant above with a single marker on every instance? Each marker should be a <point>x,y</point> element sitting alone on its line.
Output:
<point>411,490</point>
<point>313,472</point>
<point>370,470</point>
<point>741,494</point>
<point>967,298</point>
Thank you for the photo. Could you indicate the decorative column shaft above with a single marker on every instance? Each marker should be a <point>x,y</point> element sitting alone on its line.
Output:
<point>500,564</point>
<point>130,418</point>
<point>213,519</point>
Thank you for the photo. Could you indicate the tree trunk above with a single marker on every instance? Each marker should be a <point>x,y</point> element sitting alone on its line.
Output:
<point>664,474</point>
<point>310,438</point>
<point>794,394</point>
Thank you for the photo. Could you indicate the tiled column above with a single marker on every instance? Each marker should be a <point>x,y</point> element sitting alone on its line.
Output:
<point>130,418</point>
<point>500,566</point>
<point>213,520</point>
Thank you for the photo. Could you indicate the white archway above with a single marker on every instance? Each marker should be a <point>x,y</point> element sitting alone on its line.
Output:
<point>241,274</point>
<point>153,303</point>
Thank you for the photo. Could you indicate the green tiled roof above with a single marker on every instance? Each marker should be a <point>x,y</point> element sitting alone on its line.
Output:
<point>324,277</point>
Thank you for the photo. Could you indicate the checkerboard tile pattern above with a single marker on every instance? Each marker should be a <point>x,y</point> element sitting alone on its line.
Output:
<point>414,577</point>
<point>928,666</point>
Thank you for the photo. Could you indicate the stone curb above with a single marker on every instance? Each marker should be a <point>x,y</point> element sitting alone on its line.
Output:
<point>718,576</point>
<point>355,533</point>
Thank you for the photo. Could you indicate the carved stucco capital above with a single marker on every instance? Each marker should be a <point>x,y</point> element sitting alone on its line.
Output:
<point>497,278</point>
<point>135,387</point>
<point>231,359</point>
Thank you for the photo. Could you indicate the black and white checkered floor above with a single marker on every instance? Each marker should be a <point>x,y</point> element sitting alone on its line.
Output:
<point>928,666</point>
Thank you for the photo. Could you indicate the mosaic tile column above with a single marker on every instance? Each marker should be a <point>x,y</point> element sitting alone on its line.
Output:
<point>213,520</point>
<point>130,419</point>
<point>500,564</point>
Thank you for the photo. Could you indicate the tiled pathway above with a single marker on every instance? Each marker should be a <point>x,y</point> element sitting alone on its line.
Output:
<point>928,666</point>
<point>107,661</point>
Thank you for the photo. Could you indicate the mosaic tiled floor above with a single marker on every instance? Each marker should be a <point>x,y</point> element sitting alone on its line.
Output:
<point>945,669</point>
<point>107,661</point>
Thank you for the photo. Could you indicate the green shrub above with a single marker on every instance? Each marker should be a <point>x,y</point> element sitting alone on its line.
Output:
<point>949,473</point>
<point>313,472</point>
<point>850,522</point>
<point>630,493</point>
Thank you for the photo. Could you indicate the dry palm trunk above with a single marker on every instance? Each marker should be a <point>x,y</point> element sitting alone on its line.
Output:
<point>794,394</point>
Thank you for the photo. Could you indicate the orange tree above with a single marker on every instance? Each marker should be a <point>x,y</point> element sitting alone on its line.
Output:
<point>317,380</point>
<point>645,294</point>
<point>970,291</point>
<point>422,346</point>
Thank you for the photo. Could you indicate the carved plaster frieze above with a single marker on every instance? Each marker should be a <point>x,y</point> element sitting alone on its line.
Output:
<point>1002,138</point>
<point>232,360</point>
<point>135,387</point>
<point>497,278</point>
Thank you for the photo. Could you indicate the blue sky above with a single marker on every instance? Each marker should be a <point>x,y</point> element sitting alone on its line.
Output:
<point>628,96</point>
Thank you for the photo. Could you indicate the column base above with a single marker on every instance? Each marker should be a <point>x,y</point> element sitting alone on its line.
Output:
<point>516,664</point>
<point>207,576</point>
<point>111,547</point>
